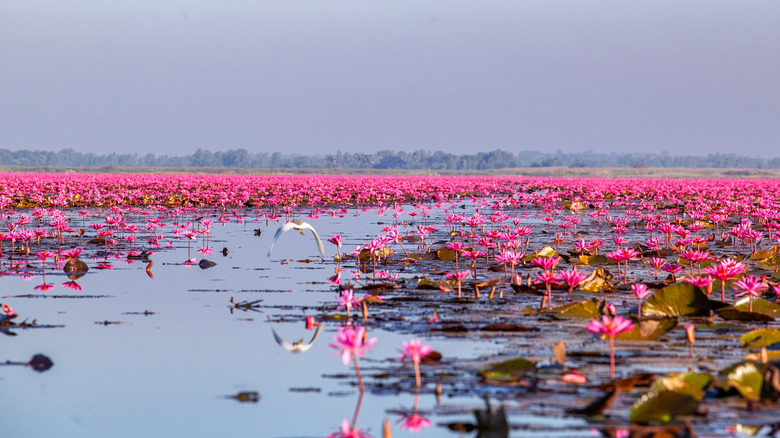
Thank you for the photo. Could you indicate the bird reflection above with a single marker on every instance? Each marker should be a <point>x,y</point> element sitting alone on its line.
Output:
<point>298,346</point>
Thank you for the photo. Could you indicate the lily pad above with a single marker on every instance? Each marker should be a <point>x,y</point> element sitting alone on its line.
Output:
<point>547,251</point>
<point>680,299</point>
<point>765,253</point>
<point>593,260</point>
<point>732,314</point>
<point>597,281</point>
<point>662,407</point>
<point>771,262</point>
<point>760,338</point>
<point>582,309</point>
<point>75,265</point>
<point>747,378</point>
<point>760,305</point>
<point>772,356</point>
<point>649,329</point>
<point>446,255</point>
<point>692,384</point>
<point>424,283</point>
<point>508,371</point>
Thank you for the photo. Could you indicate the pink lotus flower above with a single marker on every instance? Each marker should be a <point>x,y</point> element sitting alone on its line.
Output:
<point>459,277</point>
<point>546,263</point>
<point>641,291</point>
<point>8,310</point>
<point>657,263</point>
<point>572,278</point>
<point>311,323</point>
<point>347,300</point>
<point>350,340</point>
<point>726,270</point>
<point>72,253</point>
<point>336,240</point>
<point>548,278</point>
<point>415,350</point>
<point>611,327</point>
<point>752,287</point>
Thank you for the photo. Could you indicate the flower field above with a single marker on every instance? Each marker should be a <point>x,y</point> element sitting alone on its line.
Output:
<point>614,307</point>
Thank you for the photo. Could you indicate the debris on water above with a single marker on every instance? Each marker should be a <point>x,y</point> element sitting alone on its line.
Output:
<point>306,389</point>
<point>205,264</point>
<point>245,397</point>
<point>597,406</point>
<point>40,363</point>
<point>245,305</point>
<point>490,423</point>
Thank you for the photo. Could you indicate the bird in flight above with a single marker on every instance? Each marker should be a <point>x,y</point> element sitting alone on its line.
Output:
<point>299,226</point>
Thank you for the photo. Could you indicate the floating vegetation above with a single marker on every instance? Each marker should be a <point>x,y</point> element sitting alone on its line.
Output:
<point>679,277</point>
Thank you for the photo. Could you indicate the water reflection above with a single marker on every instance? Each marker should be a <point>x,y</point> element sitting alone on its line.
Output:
<point>350,430</point>
<point>297,346</point>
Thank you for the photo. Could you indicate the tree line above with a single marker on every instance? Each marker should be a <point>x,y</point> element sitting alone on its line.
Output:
<point>417,160</point>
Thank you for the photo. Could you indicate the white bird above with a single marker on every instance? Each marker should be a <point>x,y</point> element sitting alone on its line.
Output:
<point>300,226</point>
<point>295,347</point>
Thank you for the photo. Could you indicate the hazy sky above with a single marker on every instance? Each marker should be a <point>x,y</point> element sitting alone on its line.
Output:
<point>168,77</point>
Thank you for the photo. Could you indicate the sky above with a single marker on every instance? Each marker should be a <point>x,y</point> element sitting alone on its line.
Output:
<point>321,76</point>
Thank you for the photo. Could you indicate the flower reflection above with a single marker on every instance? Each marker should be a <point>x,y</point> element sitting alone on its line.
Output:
<point>348,432</point>
<point>414,422</point>
<point>71,285</point>
<point>45,287</point>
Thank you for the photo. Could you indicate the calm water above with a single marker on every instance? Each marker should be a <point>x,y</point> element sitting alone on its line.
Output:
<point>171,373</point>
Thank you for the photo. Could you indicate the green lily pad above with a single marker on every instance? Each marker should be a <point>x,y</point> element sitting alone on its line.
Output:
<point>771,262</point>
<point>575,205</point>
<point>772,356</point>
<point>680,299</point>
<point>649,329</point>
<point>692,384</point>
<point>581,309</point>
<point>760,305</point>
<point>547,251</point>
<point>731,314</point>
<point>760,338</point>
<point>508,371</point>
<point>662,407</point>
<point>597,281</point>
<point>747,378</point>
<point>593,260</point>
<point>764,253</point>
<point>445,254</point>
<point>424,283</point>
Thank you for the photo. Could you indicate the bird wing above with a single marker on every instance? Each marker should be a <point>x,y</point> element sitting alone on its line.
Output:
<point>317,238</point>
<point>282,343</point>
<point>283,229</point>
